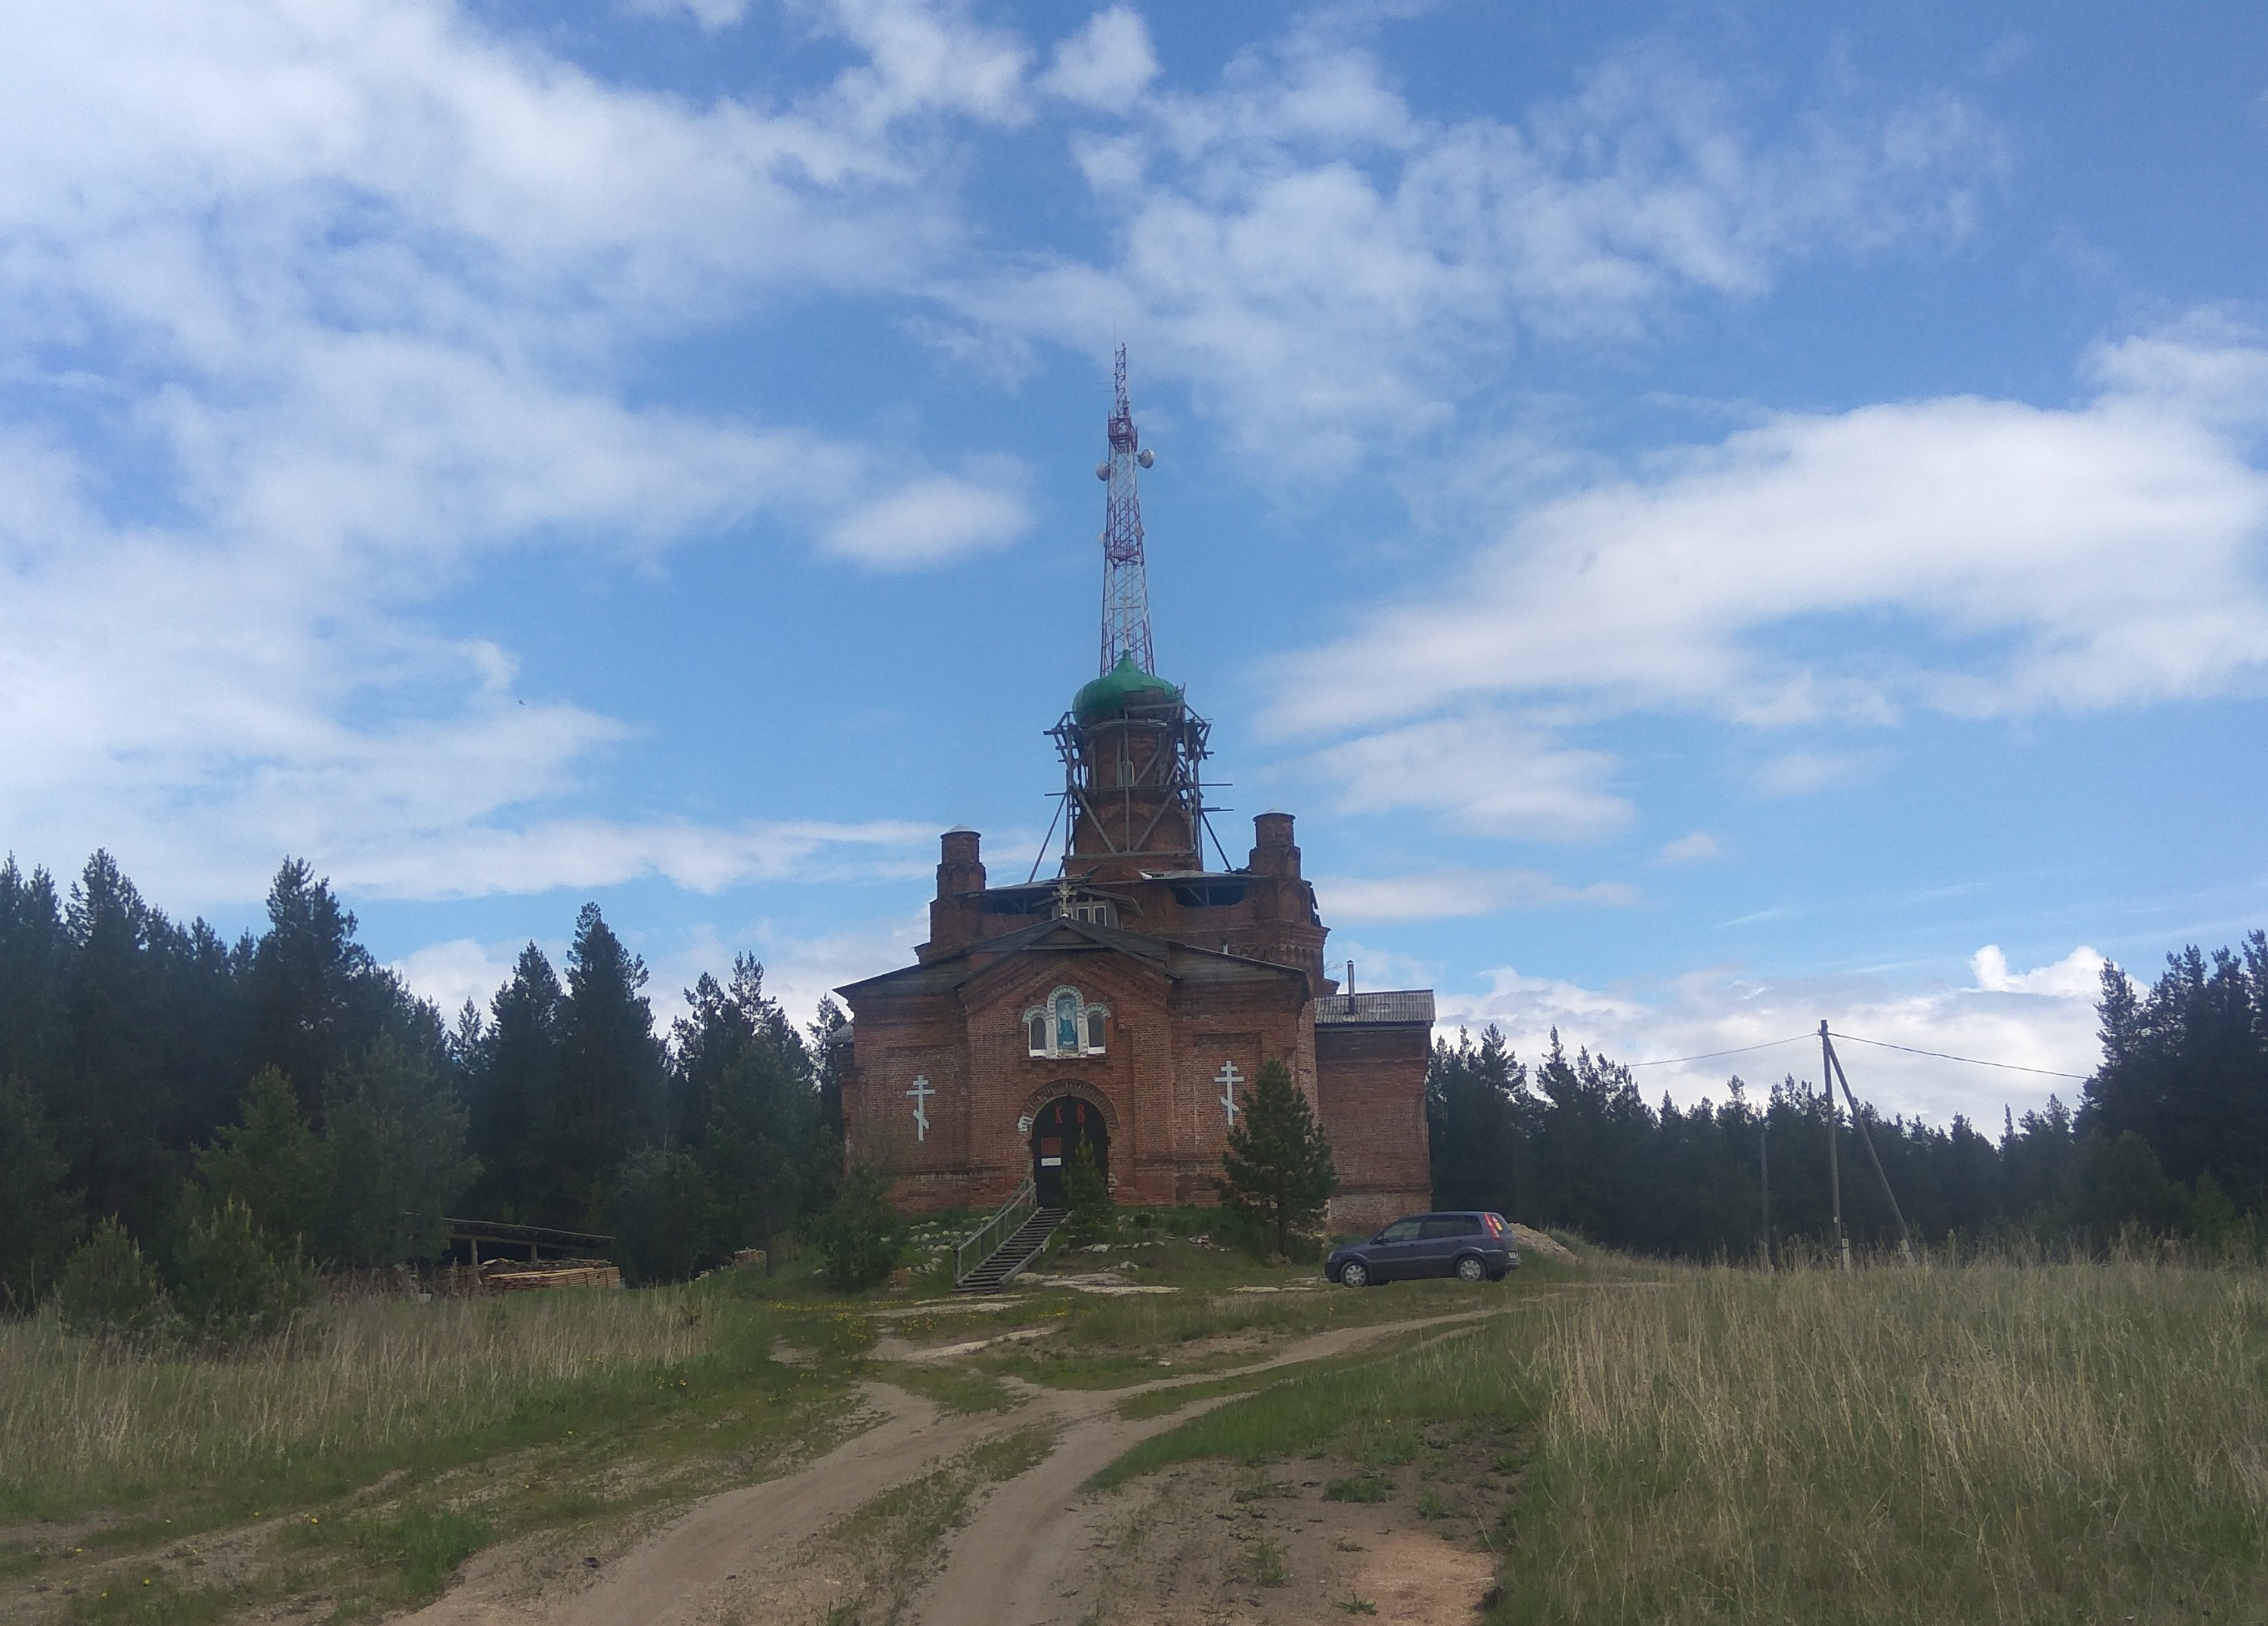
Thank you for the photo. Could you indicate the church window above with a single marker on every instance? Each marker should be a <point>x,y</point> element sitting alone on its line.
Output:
<point>1065,1025</point>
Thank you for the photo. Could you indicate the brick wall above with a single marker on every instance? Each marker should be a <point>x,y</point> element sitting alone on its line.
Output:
<point>1372,1082</point>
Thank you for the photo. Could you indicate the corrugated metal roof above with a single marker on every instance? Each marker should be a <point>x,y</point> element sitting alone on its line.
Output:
<point>1407,1004</point>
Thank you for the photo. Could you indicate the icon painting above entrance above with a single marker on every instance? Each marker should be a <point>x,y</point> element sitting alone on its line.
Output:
<point>1058,1129</point>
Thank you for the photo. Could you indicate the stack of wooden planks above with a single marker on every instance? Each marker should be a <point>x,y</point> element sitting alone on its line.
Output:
<point>502,1277</point>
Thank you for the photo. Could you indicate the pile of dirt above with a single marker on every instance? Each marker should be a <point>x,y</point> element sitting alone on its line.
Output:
<point>1532,1241</point>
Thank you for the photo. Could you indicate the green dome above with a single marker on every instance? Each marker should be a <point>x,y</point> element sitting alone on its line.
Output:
<point>1123,685</point>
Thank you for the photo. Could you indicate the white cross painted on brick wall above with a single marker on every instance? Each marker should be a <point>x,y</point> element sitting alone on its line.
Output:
<point>921,1092</point>
<point>1228,1078</point>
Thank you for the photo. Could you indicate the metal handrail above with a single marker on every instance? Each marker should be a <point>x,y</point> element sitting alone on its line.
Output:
<point>1012,1214</point>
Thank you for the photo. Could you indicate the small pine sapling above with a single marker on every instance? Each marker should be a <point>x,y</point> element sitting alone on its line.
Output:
<point>1087,1193</point>
<point>1278,1171</point>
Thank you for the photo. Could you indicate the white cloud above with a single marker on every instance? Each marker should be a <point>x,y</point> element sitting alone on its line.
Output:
<point>1105,64</point>
<point>1489,773</point>
<point>1335,271</point>
<point>1801,772</point>
<point>926,57</point>
<point>2044,1019</point>
<point>1979,558</point>
<point>473,860</point>
<point>930,523</point>
<point>2077,976</point>
<point>305,311</point>
<point>712,15</point>
<point>449,973</point>
<point>798,971</point>
<point>1455,893</point>
<point>1694,848</point>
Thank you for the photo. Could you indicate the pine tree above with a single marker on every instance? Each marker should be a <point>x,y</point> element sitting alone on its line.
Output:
<point>39,1217</point>
<point>1477,1107</point>
<point>118,1105</point>
<point>396,1134</point>
<point>663,1215</point>
<point>317,996</point>
<point>829,1052</point>
<point>273,1165</point>
<point>609,1095</point>
<point>232,1284</point>
<point>1278,1169</point>
<point>1087,1194</point>
<point>513,1087</point>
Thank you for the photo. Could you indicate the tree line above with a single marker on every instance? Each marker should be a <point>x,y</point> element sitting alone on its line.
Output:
<point>158,1076</point>
<point>2169,1138</point>
<point>167,1093</point>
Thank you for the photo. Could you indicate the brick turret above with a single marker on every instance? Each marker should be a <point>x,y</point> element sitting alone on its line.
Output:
<point>953,913</point>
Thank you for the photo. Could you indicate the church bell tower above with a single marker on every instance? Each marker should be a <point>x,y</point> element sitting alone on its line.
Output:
<point>1131,748</point>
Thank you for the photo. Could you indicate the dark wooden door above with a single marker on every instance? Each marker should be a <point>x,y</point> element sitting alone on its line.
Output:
<point>1058,1130</point>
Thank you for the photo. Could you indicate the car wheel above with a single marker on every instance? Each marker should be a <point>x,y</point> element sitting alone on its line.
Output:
<point>1354,1273</point>
<point>1469,1268</point>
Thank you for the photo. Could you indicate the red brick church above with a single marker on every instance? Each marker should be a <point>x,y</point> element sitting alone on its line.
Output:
<point>1129,1002</point>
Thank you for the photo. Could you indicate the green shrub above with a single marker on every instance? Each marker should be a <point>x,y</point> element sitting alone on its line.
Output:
<point>861,1237</point>
<point>110,1291</point>
<point>233,1284</point>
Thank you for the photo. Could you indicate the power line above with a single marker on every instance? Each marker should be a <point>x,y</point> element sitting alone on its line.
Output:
<point>1768,1044</point>
<point>1883,1044</point>
<point>1974,1061</point>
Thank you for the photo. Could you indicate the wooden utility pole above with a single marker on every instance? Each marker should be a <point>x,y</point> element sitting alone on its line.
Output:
<point>1905,1241</point>
<point>1834,1157</point>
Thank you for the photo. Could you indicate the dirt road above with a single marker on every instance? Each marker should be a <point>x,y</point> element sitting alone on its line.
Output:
<point>745,1555</point>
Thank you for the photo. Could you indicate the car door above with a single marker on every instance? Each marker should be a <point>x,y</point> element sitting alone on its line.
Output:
<point>1392,1257</point>
<point>1438,1238</point>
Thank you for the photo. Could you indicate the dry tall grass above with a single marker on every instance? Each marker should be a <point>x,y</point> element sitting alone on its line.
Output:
<point>1988,1443</point>
<point>82,1425</point>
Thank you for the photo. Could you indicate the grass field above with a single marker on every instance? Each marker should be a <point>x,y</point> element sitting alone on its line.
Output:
<point>360,1460</point>
<point>1996,1442</point>
<point>1990,1443</point>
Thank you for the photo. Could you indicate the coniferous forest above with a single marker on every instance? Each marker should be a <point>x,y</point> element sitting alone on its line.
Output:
<point>2169,1138</point>
<point>155,1075</point>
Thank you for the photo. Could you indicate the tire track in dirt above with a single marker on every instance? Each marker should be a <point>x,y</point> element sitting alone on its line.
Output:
<point>740,1551</point>
<point>729,1546</point>
<point>1014,1563</point>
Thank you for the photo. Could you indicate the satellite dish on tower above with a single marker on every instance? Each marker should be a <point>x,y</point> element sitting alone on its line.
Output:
<point>1146,457</point>
<point>1102,471</point>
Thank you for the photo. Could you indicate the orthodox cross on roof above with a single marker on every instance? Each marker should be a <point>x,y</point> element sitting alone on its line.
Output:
<point>1125,587</point>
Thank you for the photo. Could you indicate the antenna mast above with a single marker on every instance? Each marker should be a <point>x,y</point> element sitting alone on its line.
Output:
<point>1125,585</point>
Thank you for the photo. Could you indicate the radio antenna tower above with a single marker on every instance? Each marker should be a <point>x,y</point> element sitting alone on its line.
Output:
<point>1125,587</point>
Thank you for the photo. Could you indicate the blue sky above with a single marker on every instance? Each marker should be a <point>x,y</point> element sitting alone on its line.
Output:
<point>1715,517</point>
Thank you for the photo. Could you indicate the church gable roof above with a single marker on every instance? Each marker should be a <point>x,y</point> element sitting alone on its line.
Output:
<point>1163,957</point>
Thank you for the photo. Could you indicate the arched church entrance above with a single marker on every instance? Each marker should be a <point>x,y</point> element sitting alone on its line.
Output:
<point>1058,1129</point>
